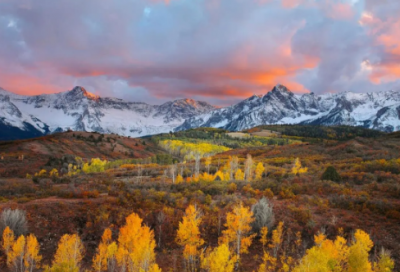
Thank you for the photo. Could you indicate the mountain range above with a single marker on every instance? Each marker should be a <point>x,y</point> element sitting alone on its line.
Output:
<point>79,110</point>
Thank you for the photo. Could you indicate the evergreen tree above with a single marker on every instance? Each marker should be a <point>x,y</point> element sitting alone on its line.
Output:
<point>331,174</point>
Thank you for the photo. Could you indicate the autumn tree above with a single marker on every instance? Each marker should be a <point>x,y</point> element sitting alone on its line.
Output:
<point>179,179</point>
<point>32,257</point>
<point>197,156</point>
<point>248,167</point>
<point>104,260</point>
<point>232,166</point>
<point>264,238</point>
<point>218,260</point>
<point>297,169</point>
<point>136,245</point>
<point>358,252</point>
<point>385,263</point>
<point>207,164</point>
<point>188,236</point>
<point>69,254</point>
<point>161,217</point>
<point>8,241</point>
<point>237,234</point>
<point>172,171</point>
<point>277,238</point>
<point>259,171</point>
<point>326,255</point>
<point>239,175</point>
<point>16,254</point>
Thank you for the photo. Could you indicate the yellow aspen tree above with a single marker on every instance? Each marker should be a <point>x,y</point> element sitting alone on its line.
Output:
<point>179,179</point>
<point>326,255</point>
<point>136,246</point>
<point>8,241</point>
<point>153,268</point>
<point>218,260</point>
<point>237,234</point>
<point>208,163</point>
<point>112,250</point>
<point>53,173</point>
<point>259,171</point>
<point>268,264</point>
<point>188,236</point>
<point>297,169</point>
<point>358,253</point>
<point>32,256</point>
<point>69,254</point>
<point>219,176</point>
<point>264,239</point>
<point>17,254</point>
<point>277,236</point>
<point>100,260</point>
<point>239,175</point>
<point>248,168</point>
<point>385,263</point>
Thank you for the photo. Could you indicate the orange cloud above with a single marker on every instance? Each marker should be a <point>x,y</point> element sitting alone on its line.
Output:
<point>386,34</point>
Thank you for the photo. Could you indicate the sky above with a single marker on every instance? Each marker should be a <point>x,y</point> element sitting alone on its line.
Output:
<point>219,51</point>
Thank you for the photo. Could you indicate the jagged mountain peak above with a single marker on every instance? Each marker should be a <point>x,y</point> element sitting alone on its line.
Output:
<point>79,92</point>
<point>281,88</point>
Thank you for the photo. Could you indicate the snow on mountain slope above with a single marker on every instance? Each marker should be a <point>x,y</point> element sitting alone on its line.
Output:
<point>80,110</point>
<point>280,106</point>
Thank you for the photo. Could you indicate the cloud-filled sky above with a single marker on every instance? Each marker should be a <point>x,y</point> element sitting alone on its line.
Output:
<point>219,51</point>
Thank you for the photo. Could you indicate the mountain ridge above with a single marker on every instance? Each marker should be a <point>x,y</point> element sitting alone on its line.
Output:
<point>379,111</point>
<point>80,110</point>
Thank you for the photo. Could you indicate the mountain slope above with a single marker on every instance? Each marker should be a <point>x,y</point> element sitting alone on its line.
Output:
<point>280,106</point>
<point>79,110</point>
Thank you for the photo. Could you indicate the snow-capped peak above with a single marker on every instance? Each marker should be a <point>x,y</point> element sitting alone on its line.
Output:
<point>79,92</point>
<point>371,110</point>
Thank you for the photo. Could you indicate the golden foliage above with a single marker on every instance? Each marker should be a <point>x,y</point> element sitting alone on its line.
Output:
<point>277,238</point>
<point>237,234</point>
<point>297,169</point>
<point>188,236</point>
<point>135,246</point>
<point>69,254</point>
<point>259,171</point>
<point>239,175</point>
<point>8,241</point>
<point>32,257</point>
<point>104,252</point>
<point>218,260</point>
<point>358,252</point>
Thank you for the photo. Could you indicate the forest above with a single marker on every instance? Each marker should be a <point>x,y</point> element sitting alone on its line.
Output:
<point>202,200</point>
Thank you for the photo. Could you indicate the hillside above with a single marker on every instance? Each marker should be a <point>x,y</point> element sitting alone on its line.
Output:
<point>58,150</point>
<point>213,170</point>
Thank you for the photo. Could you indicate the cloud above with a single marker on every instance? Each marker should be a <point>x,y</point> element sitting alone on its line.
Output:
<point>217,50</point>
